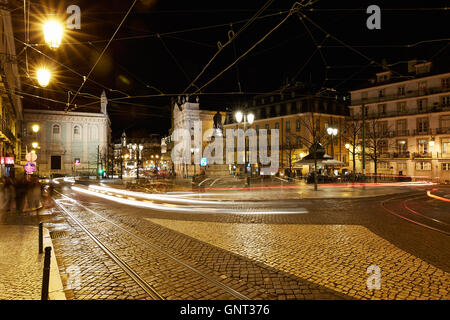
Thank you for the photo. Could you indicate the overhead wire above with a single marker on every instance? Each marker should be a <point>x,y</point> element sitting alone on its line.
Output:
<point>231,38</point>
<point>104,50</point>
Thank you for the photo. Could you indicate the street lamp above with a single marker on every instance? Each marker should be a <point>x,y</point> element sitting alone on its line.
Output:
<point>35,128</point>
<point>43,76</point>
<point>139,159</point>
<point>193,150</point>
<point>250,117</point>
<point>34,145</point>
<point>332,132</point>
<point>53,32</point>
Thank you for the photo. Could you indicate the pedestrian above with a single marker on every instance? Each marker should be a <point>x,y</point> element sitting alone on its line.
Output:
<point>9,193</point>
<point>21,193</point>
<point>37,193</point>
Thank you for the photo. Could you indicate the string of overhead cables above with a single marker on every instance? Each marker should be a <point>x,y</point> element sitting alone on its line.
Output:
<point>104,50</point>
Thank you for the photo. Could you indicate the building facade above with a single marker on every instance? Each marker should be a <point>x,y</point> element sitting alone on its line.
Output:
<point>302,118</point>
<point>185,115</point>
<point>145,152</point>
<point>74,143</point>
<point>411,119</point>
<point>10,102</point>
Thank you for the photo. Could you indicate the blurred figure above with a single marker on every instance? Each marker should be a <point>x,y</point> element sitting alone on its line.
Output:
<point>21,187</point>
<point>8,193</point>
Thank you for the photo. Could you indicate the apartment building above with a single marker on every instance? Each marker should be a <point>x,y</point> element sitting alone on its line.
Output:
<point>412,116</point>
<point>296,111</point>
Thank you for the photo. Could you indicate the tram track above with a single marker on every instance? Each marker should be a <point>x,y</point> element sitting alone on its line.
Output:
<point>398,206</point>
<point>149,289</point>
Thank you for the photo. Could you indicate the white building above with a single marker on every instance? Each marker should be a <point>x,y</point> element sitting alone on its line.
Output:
<point>69,143</point>
<point>414,116</point>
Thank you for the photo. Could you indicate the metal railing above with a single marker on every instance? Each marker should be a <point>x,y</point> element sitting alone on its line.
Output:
<point>408,94</point>
<point>401,113</point>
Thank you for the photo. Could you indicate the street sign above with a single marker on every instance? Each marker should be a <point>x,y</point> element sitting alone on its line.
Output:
<point>30,167</point>
<point>203,162</point>
<point>31,156</point>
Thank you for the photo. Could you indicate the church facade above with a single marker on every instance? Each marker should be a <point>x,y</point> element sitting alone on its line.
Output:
<point>74,143</point>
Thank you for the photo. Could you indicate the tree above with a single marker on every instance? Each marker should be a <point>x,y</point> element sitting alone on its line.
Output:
<point>352,132</point>
<point>377,142</point>
<point>314,138</point>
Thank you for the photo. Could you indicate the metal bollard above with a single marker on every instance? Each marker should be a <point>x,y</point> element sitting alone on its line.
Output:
<point>46,274</point>
<point>41,238</point>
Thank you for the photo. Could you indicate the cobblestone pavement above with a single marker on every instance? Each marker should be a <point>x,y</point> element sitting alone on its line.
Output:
<point>21,277</point>
<point>322,254</point>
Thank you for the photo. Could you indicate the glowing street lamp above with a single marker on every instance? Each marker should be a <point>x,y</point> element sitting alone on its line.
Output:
<point>34,145</point>
<point>53,32</point>
<point>347,146</point>
<point>35,128</point>
<point>238,116</point>
<point>43,77</point>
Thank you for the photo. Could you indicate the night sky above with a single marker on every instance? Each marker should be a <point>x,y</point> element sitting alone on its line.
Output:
<point>189,32</point>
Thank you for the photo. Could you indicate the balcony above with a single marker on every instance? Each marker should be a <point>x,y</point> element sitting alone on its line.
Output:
<point>441,155</point>
<point>5,132</point>
<point>399,133</point>
<point>401,155</point>
<point>442,130</point>
<point>422,132</point>
<point>422,155</point>
<point>408,94</point>
<point>408,112</point>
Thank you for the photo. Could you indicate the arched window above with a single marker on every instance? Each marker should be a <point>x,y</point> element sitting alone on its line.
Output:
<point>56,129</point>
<point>76,132</point>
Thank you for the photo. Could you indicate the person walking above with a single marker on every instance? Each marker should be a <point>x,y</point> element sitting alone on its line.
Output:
<point>21,193</point>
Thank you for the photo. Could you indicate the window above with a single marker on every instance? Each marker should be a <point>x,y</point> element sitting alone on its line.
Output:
<point>383,146</point>
<point>445,82</point>
<point>422,86</point>
<point>402,146</point>
<point>381,93</point>
<point>445,122</point>
<point>76,131</point>
<point>297,125</point>
<point>277,125</point>
<point>288,125</point>
<point>288,141</point>
<point>401,166</point>
<point>422,104</point>
<point>267,126</point>
<point>401,91</point>
<point>423,165</point>
<point>299,142</point>
<point>422,145</point>
<point>401,127</point>
<point>446,145</point>
<point>55,162</point>
<point>364,96</point>
<point>422,125</point>
<point>382,127</point>
<point>382,109</point>
<point>401,107</point>
<point>56,129</point>
<point>445,166</point>
<point>383,165</point>
<point>445,100</point>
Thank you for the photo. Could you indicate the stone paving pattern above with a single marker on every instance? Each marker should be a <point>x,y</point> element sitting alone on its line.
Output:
<point>335,256</point>
<point>20,263</point>
<point>174,281</point>
<point>341,239</point>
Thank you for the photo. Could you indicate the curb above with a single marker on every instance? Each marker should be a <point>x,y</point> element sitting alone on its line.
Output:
<point>55,288</point>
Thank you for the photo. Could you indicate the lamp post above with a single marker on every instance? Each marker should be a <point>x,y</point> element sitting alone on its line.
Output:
<point>332,132</point>
<point>35,144</point>
<point>139,160</point>
<point>193,150</point>
<point>250,117</point>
